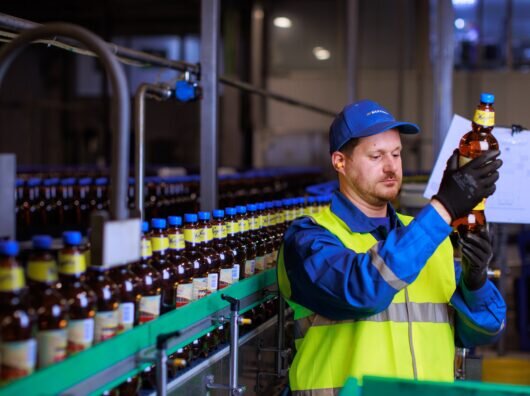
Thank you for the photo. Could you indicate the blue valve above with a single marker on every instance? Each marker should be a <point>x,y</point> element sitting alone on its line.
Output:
<point>186,91</point>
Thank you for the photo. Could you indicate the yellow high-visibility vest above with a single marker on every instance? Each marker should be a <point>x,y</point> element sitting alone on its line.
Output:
<point>412,338</point>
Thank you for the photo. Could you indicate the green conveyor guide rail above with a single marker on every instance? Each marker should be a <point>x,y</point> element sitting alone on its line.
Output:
<point>378,386</point>
<point>111,362</point>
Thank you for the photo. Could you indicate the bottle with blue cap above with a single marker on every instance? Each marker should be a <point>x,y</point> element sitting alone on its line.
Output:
<point>150,281</point>
<point>256,235</point>
<point>107,317</point>
<point>81,299</point>
<point>81,203</point>
<point>99,199</point>
<point>17,328</point>
<point>210,254</point>
<point>266,234</point>
<point>228,268</point>
<point>49,305</point>
<point>160,245</point>
<point>233,240</point>
<point>64,204</point>
<point>472,145</point>
<point>128,285</point>
<point>183,266</point>
<point>193,239</point>
<point>250,243</point>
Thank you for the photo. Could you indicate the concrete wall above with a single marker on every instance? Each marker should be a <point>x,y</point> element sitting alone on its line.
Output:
<point>510,88</point>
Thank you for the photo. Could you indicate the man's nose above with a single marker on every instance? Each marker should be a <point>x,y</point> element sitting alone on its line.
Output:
<point>391,163</point>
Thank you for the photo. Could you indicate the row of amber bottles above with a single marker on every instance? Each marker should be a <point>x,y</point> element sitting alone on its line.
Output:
<point>50,205</point>
<point>60,307</point>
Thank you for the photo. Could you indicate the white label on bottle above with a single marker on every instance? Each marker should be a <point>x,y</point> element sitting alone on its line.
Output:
<point>225,278</point>
<point>235,273</point>
<point>250,267</point>
<point>484,146</point>
<point>106,325</point>
<point>51,346</point>
<point>149,308</point>
<point>126,320</point>
<point>213,282</point>
<point>200,287</point>
<point>184,294</point>
<point>80,335</point>
<point>269,261</point>
<point>471,219</point>
<point>260,263</point>
<point>18,358</point>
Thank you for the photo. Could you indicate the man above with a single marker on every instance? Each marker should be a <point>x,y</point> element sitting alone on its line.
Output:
<point>378,293</point>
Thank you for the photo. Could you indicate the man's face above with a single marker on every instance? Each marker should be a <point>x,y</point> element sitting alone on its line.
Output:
<point>372,172</point>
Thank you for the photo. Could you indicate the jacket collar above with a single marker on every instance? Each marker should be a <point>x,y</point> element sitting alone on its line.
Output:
<point>357,221</point>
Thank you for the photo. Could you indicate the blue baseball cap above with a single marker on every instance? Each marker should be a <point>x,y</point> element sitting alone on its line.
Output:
<point>361,119</point>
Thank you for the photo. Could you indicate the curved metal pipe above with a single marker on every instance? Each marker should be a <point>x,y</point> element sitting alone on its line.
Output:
<point>143,91</point>
<point>120,100</point>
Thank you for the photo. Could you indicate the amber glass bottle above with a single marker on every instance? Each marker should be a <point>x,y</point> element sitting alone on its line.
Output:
<point>263,230</point>
<point>233,241</point>
<point>129,290</point>
<point>214,261</point>
<point>183,266</point>
<point>250,243</point>
<point>160,246</point>
<point>229,269</point>
<point>192,237</point>
<point>18,346</point>
<point>150,281</point>
<point>108,302</point>
<point>49,305</point>
<point>256,235</point>
<point>81,299</point>
<point>472,145</point>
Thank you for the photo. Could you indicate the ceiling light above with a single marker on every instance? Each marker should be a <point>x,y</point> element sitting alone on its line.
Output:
<point>464,2</point>
<point>460,23</point>
<point>282,22</point>
<point>321,53</point>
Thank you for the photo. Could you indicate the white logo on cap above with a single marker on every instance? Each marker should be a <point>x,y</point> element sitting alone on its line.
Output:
<point>375,112</point>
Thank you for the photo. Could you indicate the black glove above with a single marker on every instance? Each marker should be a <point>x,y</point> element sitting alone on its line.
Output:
<point>476,255</point>
<point>463,188</point>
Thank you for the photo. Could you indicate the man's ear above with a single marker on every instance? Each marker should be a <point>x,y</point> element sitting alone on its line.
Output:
<point>338,160</point>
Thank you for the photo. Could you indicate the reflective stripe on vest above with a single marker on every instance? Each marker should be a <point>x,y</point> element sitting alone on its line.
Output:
<point>398,342</point>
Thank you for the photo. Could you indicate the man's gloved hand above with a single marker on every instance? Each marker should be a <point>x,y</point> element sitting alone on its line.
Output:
<point>463,188</point>
<point>476,255</point>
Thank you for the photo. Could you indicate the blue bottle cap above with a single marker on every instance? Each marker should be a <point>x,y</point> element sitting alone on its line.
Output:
<point>100,181</point>
<point>261,206</point>
<point>9,248</point>
<point>204,215</point>
<point>34,181</point>
<point>72,238</point>
<point>85,181</point>
<point>70,181</point>
<point>487,98</point>
<point>145,226</point>
<point>19,182</point>
<point>230,211</point>
<point>278,204</point>
<point>51,182</point>
<point>158,223</point>
<point>241,209</point>
<point>218,213</point>
<point>190,218</point>
<point>269,205</point>
<point>286,202</point>
<point>42,242</point>
<point>174,221</point>
<point>311,200</point>
<point>252,207</point>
